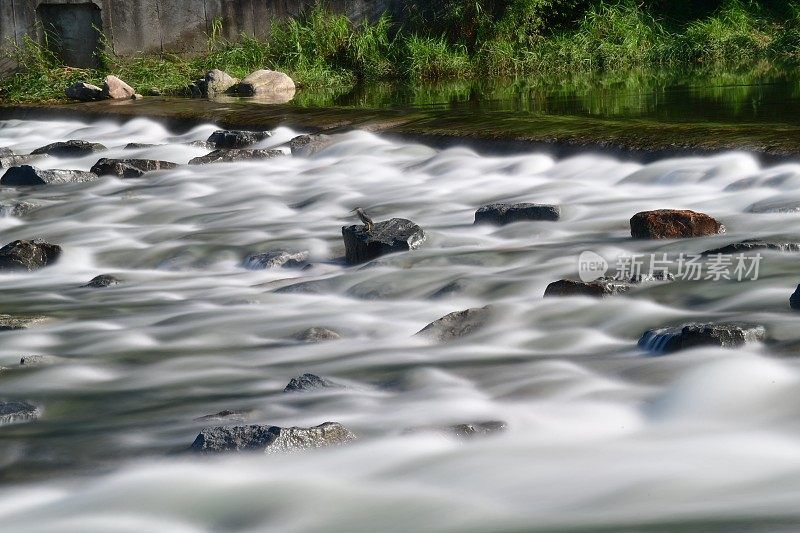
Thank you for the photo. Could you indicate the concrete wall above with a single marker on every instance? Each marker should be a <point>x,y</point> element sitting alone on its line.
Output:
<point>174,26</point>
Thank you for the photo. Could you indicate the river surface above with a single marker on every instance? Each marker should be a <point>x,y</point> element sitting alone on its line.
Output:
<point>601,435</point>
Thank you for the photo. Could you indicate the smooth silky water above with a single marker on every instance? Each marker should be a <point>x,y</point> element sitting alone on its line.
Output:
<point>601,435</point>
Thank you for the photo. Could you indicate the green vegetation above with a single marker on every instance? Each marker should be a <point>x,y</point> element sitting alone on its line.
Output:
<point>458,40</point>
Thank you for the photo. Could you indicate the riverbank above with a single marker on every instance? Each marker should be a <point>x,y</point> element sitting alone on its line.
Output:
<point>487,131</point>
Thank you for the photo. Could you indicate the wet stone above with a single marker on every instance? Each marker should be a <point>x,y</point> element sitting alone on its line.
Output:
<point>28,255</point>
<point>5,152</point>
<point>309,382</point>
<point>18,210</point>
<point>317,335</point>
<point>17,412</point>
<point>270,439</point>
<point>457,325</point>
<point>276,259</point>
<point>10,161</point>
<point>599,288</point>
<point>780,204</point>
<point>673,339</point>
<point>70,149</point>
<point>140,146</point>
<point>308,145</point>
<point>502,214</point>
<point>102,281</point>
<point>794,299</point>
<point>231,139</point>
<point>390,236</point>
<point>130,168</point>
<point>224,416</point>
<point>28,176</point>
<point>16,322</point>
<point>229,156</point>
<point>33,361</point>
<point>673,224</point>
<point>467,431</point>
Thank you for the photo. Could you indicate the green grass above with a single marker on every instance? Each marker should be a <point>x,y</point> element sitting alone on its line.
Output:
<point>454,40</point>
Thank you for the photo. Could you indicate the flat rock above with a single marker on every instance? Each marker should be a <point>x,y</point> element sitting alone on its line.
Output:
<point>457,325</point>
<point>69,149</point>
<point>673,339</point>
<point>317,335</point>
<point>754,245</point>
<point>387,237</point>
<point>502,214</point>
<point>308,145</point>
<point>130,168</point>
<point>18,412</point>
<point>28,255</point>
<point>16,322</point>
<point>673,224</point>
<point>28,176</point>
<point>270,439</point>
<point>309,382</point>
<point>264,83</point>
<point>230,139</point>
<point>102,281</point>
<point>116,89</point>
<point>276,259</point>
<point>84,92</point>
<point>228,156</point>
<point>469,430</point>
<point>224,416</point>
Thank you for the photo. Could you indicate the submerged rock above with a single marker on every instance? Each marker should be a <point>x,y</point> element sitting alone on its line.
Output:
<point>673,339</point>
<point>276,259</point>
<point>317,335</point>
<point>599,288</point>
<point>102,281</point>
<point>28,255</point>
<point>84,92</point>
<point>464,431</point>
<point>17,412</point>
<point>457,325</point>
<point>270,439</point>
<point>230,139</point>
<point>130,168</point>
<point>754,245</point>
<point>265,83</point>
<point>16,322</point>
<point>502,214</point>
<point>784,203</point>
<point>308,145</point>
<point>673,224</point>
<point>70,149</point>
<point>228,156</point>
<point>224,416</point>
<point>116,89</point>
<point>140,146</point>
<point>28,176</point>
<point>309,382</point>
<point>390,236</point>
<point>32,361</point>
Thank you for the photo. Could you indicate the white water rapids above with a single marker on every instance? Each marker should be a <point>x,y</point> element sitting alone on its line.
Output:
<point>600,434</point>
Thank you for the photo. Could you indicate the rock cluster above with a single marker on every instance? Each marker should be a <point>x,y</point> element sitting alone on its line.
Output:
<point>26,176</point>
<point>129,168</point>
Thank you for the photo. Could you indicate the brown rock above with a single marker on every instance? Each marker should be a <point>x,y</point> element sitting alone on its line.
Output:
<point>673,224</point>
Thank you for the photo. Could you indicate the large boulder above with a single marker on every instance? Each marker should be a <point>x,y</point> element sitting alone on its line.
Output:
<point>752,245</point>
<point>270,439</point>
<point>129,168</point>
<point>673,224</point>
<point>308,145</point>
<point>116,89</point>
<point>230,156</point>
<point>502,214</point>
<point>69,149</point>
<point>27,176</point>
<point>28,255</point>
<point>229,139</point>
<point>16,412</point>
<point>276,259</point>
<point>673,339</point>
<point>390,236</point>
<point>84,92</point>
<point>457,325</point>
<point>309,382</point>
<point>263,83</point>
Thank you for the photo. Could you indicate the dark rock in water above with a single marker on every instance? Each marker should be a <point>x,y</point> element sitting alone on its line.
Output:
<point>465,431</point>
<point>794,299</point>
<point>15,322</point>
<point>673,224</point>
<point>26,175</point>
<point>390,236</point>
<point>502,214</point>
<point>129,168</point>
<point>102,281</point>
<point>754,245</point>
<point>228,156</point>
<point>16,412</point>
<point>599,288</point>
<point>70,149</point>
<point>228,139</point>
<point>31,361</point>
<point>270,439</point>
<point>139,146</point>
<point>317,335</point>
<point>673,339</point>
<point>200,144</point>
<point>309,382</point>
<point>276,259</point>
<point>10,161</point>
<point>28,255</point>
<point>308,145</point>
<point>224,416</point>
<point>19,209</point>
<point>459,324</point>
<point>84,92</point>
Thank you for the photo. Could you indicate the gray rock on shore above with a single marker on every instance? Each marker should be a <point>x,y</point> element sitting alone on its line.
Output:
<point>502,214</point>
<point>387,237</point>
<point>29,176</point>
<point>673,339</point>
<point>73,148</point>
<point>459,324</point>
<point>276,259</point>
<point>263,83</point>
<point>213,84</point>
<point>28,255</point>
<point>270,439</point>
<point>229,156</point>
<point>116,89</point>
<point>84,92</point>
<point>231,139</point>
<point>129,168</point>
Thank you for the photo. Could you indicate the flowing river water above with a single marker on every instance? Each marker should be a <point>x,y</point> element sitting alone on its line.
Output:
<point>601,435</point>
